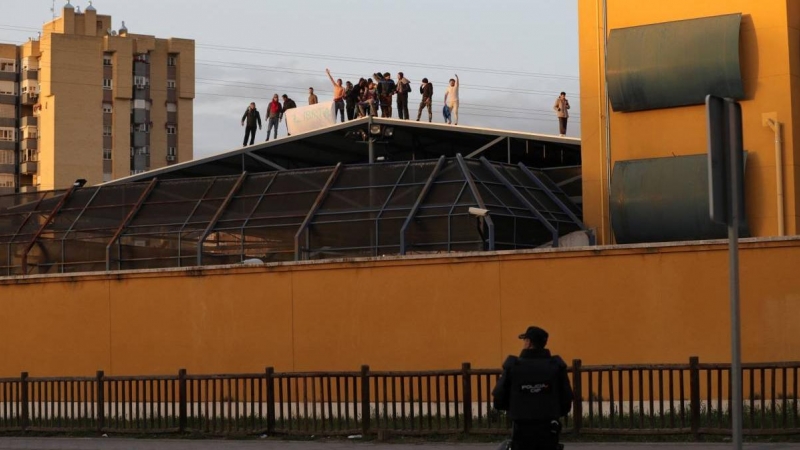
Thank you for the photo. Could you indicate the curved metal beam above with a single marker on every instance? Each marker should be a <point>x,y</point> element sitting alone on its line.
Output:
<point>474,189</point>
<point>128,219</point>
<point>317,203</point>
<point>424,193</point>
<point>44,225</point>
<point>217,215</point>
<point>522,199</point>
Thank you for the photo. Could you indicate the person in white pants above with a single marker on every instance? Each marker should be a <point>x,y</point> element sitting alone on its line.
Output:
<point>451,100</point>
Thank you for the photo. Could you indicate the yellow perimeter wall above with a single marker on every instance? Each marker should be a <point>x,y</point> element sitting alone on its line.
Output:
<point>770,65</point>
<point>624,305</point>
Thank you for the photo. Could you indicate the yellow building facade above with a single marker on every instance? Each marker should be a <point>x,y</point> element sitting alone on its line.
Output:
<point>99,104</point>
<point>770,69</point>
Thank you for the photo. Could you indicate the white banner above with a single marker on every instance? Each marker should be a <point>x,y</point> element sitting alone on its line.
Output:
<point>309,118</point>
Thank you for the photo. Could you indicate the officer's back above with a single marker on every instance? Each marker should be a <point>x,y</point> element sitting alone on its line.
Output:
<point>535,390</point>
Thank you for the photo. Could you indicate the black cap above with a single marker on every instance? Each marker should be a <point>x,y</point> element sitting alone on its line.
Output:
<point>537,336</point>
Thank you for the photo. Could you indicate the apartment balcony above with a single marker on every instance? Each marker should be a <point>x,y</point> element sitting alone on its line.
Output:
<point>29,188</point>
<point>141,162</point>
<point>29,144</point>
<point>7,169</point>
<point>30,75</point>
<point>141,69</point>
<point>29,99</point>
<point>8,122</point>
<point>140,116</point>
<point>29,121</point>
<point>29,167</point>
<point>140,139</point>
<point>141,92</point>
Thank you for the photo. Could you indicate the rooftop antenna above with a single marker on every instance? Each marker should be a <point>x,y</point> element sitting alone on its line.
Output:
<point>53,9</point>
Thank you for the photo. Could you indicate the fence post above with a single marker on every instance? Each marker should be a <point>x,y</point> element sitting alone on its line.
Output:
<point>182,416</point>
<point>577,402</point>
<point>25,399</point>
<point>101,402</point>
<point>466,380</point>
<point>270,401</point>
<point>365,412</point>
<point>694,393</point>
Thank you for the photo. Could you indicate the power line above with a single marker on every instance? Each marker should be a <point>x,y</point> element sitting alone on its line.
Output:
<point>316,56</point>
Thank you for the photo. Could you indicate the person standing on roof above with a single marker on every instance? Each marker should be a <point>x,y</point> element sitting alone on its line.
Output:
<point>287,105</point>
<point>451,100</point>
<point>275,115</point>
<point>561,107</point>
<point>253,118</point>
<point>386,88</point>
<point>312,97</point>
<point>402,90</point>
<point>338,96</point>
<point>426,89</point>
<point>349,101</point>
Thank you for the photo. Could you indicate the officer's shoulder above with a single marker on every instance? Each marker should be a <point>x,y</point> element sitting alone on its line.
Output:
<point>510,361</point>
<point>557,359</point>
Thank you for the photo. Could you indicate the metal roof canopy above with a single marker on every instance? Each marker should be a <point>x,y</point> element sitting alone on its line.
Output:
<point>392,207</point>
<point>347,143</point>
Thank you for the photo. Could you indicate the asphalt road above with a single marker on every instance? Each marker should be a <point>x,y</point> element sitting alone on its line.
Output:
<point>183,444</point>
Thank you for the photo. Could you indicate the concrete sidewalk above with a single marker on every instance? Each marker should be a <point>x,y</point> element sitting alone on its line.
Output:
<point>185,444</point>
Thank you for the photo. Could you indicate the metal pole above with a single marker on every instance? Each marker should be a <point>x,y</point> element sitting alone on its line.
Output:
<point>733,251</point>
<point>370,141</point>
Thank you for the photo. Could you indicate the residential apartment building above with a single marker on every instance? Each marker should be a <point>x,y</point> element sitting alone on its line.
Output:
<point>84,101</point>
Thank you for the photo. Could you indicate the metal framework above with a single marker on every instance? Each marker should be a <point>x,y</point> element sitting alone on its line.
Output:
<point>331,212</point>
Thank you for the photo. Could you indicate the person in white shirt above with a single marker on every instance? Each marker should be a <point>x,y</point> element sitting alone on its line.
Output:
<point>451,100</point>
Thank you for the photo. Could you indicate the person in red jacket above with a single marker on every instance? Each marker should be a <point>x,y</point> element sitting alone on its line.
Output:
<point>274,115</point>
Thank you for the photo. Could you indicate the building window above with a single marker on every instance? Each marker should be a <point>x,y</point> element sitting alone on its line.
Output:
<point>142,57</point>
<point>141,81</point>
<point>140,104</point>
<point>6,157</point>
<point>106,131</point>
<point>106,177</point>
<point>140,128</point>
<point>107,84</point>
<point>8,65</point>
<point>172,61</point>
<point>107,60</point>
<point>8,88</point>
<point>171,151</point>
<point>8,134</point>
<point>107,154</point>
<point>172,107</point>
<point>6,180</point>
<point>143,151</point>
<point>170,84</point>
<point>172,129</point>
<point>108,108</point>
<point>30,133</point>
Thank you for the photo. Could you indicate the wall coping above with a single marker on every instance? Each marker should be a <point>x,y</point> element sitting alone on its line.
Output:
<point>716,245</point>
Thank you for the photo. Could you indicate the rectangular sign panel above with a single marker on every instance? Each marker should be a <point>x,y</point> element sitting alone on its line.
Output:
<point>309,118</point>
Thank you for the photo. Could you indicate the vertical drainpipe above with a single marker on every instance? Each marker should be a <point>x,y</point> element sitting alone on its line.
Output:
<point>607,196</point>
<point>776,127</point>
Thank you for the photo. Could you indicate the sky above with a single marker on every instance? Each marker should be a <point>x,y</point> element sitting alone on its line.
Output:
<point>513,57</point>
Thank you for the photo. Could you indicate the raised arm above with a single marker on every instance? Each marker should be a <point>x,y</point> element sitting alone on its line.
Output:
<point>328,71</point>
<point>457,81</point>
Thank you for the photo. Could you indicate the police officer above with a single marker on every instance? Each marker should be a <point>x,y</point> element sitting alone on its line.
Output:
<point>535,390</point>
